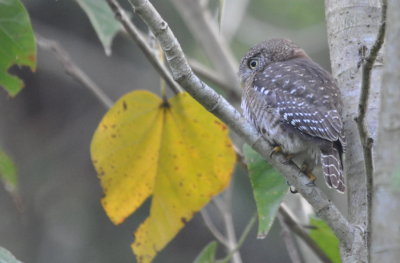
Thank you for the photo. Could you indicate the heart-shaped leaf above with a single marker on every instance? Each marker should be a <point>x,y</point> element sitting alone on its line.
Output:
<point>172,149</point>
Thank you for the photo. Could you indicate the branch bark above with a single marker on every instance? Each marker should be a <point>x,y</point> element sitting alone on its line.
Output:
<point>287,237</point>
<point>352,29</point>
<point>217,105</point>
<point>299,231</point>
<point>367,142</point>
<point>385,243</point>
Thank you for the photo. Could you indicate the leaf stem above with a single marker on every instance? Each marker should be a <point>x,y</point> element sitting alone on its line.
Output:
<point>302,234</point>
<point>213,229</point>
<point>137,37</point>
<point>242,238</point>
<point>73,70</point>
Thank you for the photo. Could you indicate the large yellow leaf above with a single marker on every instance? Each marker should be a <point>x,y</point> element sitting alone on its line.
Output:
<point>176,151</point>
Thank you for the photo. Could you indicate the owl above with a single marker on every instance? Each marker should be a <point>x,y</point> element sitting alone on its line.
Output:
<point>296,106</point>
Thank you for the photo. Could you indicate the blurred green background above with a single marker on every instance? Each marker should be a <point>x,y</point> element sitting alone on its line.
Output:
<point>47,131</point>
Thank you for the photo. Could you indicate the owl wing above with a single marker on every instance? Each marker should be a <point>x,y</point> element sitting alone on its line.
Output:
<point>304,95</point>
<point>310,119</point>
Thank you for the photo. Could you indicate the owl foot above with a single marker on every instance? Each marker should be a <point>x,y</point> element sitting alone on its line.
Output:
<point>304,169</point>
<point>276,149</point>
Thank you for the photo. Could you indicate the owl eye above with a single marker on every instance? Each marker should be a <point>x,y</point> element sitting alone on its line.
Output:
<point>253,63</point>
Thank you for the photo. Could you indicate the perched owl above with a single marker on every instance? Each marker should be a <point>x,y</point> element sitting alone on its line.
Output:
<point>296,105</point>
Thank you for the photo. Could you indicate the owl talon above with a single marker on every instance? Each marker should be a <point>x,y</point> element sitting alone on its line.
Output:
<point>304,169</point>
<point>276,149</point>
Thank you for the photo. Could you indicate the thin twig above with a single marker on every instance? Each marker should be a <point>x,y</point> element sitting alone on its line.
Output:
<point>242,238</point>
<point>362,110</point>
<point>229,226</point>
<point>205,30</point>
<point>213,229</point>
<point>73,70</point>
<point>212,76</point>
<point>137,37</point>
<point>217,105</point>
<point>289,241</point>
<point>298,230</point>
<point>237,10</point>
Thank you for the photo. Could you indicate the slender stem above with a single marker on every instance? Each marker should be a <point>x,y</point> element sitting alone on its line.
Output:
<point>73,70</point>
<point>213,229</point>
<point>289,241</point>
<point>205,30</point>
<point>226,210</point>
<point>215,78</point>
<point>299,231</point>
<point>137,37</point>
<point>366,141</point>
<point>242,238</point>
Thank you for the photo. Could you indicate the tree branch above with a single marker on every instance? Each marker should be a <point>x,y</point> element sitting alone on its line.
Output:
<point>214,77</point>
<point>242,238</point>
<point>217,105</point>
<point>299,231</point>
<point>226,210</point>
<point>366,140</point>
<point>289,241</point>
<point>137,37</point>
<point>73,70</point>
<point>352,25</point>
<point>385,240</point>
<point>205,31</point>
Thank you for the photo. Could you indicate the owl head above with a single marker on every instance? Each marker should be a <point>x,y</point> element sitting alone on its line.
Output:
<point>265,53</point>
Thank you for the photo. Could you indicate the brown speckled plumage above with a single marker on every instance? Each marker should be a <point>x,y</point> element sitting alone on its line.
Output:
<point>295,104</point>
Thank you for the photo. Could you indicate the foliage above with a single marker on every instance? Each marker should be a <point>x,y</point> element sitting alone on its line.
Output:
<point>325,238</point>
<point>8,172</point>
<point>172,149</point>
<point>17,43</point>
<point>269,188</point>
<point>103,21</point>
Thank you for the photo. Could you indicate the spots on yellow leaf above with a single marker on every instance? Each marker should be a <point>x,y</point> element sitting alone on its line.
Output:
<point>146,146</point>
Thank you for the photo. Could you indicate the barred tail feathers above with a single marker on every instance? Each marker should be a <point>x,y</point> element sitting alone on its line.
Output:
<point>332,168</point>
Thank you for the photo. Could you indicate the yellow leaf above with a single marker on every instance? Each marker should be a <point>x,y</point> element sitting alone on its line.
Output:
<point>176,151</point>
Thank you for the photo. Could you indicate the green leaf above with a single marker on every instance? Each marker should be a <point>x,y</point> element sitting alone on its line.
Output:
<point>325,238</point>
<point>5,255</point>
<point>103,21</point>
<point>8,172</point>
<point>269,188</point>
<point>207,255</point>
<point>17,43</point>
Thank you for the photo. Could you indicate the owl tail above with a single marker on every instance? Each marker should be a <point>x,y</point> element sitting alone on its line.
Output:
<point>332,168</point>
